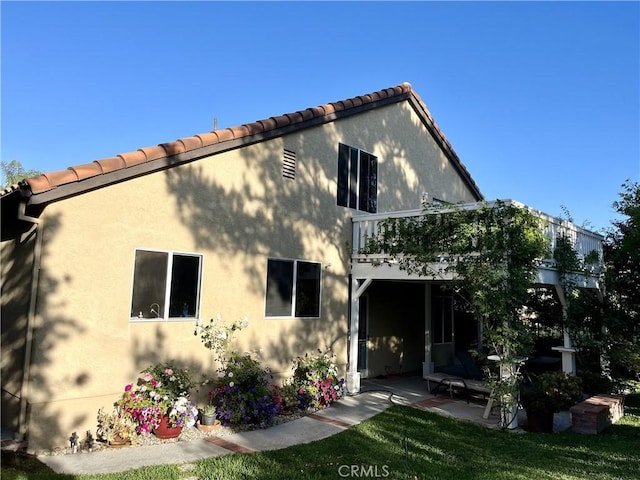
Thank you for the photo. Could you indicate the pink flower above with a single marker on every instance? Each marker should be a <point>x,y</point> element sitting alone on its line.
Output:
<point>168,371</point>
<point>147,376</point>
<point>127,388</point>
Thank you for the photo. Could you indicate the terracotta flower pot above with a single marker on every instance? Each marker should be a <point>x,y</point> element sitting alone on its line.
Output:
<point>118,441</point>
<point>164,430</point>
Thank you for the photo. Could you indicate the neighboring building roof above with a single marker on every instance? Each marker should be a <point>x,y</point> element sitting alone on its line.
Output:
<point>77,179</point>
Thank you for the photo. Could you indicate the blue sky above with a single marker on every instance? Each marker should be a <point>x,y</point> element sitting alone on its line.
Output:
<point>541,100</point>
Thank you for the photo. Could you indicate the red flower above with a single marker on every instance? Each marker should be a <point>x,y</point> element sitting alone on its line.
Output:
<point>127,388</point>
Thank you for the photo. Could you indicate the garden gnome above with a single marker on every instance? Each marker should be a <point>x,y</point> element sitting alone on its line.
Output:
<point>74,442</point>
<point>88,441</point>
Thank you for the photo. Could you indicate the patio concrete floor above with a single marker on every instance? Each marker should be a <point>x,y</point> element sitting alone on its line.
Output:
<point>412,391</point>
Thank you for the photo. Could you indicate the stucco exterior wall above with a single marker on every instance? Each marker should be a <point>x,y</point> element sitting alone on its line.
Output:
<point>236,210</point>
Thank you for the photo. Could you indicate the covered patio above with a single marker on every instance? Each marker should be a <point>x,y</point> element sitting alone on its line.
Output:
<point>412,391</point>
<point>401,322</point>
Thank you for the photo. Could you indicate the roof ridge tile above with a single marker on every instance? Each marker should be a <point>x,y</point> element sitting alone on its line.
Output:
<point>239,131</point>
<point>86,170</point>
<point>172,148</point>
<point>191,143</point>
<point>133,158</point>
<point>110,164</point>
<point>153,153</point>
<point>208,138</point>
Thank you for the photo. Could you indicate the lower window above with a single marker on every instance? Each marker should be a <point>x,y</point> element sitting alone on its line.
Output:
<point>166,285</point>
<point>293,288</point>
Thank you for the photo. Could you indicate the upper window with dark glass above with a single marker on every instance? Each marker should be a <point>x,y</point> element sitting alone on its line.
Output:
<point>357,179</point>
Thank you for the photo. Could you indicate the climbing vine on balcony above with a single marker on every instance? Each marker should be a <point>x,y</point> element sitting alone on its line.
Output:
<point>583,314</point>
<point>491,252</point>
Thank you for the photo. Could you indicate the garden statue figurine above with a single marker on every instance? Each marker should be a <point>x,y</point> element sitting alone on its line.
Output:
<point>88,441</point>
<point>74,442</point>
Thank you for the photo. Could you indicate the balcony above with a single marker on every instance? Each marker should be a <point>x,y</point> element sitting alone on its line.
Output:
<point>380,267</point>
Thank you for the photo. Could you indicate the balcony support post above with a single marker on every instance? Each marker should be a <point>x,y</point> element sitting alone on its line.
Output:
<point>567,350</point>
<point>427,365</point>
<point>353,375</point>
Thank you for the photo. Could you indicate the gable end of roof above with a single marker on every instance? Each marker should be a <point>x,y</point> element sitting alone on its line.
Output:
<point>78,179</point>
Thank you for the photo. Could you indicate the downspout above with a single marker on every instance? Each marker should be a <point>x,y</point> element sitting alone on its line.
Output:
<point>31,316</point>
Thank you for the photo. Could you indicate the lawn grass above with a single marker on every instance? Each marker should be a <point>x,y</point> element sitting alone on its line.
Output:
<point>405,443</point>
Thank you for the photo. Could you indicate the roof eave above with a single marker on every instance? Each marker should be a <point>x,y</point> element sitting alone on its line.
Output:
<point>103,180</point>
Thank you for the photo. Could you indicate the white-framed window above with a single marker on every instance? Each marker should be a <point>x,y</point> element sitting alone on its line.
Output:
<point>293,288</point>
<point>166,285</point>
<point>357,179</point>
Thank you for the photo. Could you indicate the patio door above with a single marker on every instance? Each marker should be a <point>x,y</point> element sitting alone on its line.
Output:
<point>442,326</point>
<point>363,335</point>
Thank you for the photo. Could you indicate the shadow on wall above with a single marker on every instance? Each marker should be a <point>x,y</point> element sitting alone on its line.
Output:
<point>48,330</point>
<point>261,214</point>
<point>262,205</point>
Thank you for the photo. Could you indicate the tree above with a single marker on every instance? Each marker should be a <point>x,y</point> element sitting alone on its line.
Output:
<point>622,259</point>
<point>493,252</point>
<point>13,171</point>
<point>607,333</point>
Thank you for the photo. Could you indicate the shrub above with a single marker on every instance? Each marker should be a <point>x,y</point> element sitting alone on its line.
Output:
<point>316,379</point>
<point>565,389</point>
<point>243,393</point>
<point>290,399</point>
<point>552,391</point>
<point>216,337</point>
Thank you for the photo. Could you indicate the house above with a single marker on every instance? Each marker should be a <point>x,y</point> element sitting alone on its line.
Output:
<point>106,265</point>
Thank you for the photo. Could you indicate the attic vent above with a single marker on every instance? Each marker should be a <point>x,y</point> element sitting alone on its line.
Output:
<point>289,164</point>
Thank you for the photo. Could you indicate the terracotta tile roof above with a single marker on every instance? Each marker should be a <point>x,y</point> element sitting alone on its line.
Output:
<point>9,189</point>
<point>77,179</point>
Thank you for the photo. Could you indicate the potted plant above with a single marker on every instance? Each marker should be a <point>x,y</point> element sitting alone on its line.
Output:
<point>115,428</point>
<point>547,394</point>
<point>183,413</point>
<point>208,416</point>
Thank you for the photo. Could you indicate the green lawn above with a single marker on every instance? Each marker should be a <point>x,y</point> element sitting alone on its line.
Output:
<point>405,443</point>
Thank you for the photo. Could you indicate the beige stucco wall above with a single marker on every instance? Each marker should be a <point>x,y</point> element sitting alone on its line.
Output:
<point>236,210</point>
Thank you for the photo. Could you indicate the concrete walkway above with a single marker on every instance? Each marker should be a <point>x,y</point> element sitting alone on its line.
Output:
<point>376,396</point>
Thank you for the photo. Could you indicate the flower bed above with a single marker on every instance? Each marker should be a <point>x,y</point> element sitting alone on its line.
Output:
<point>163,389</point>
<point>316,379</point>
